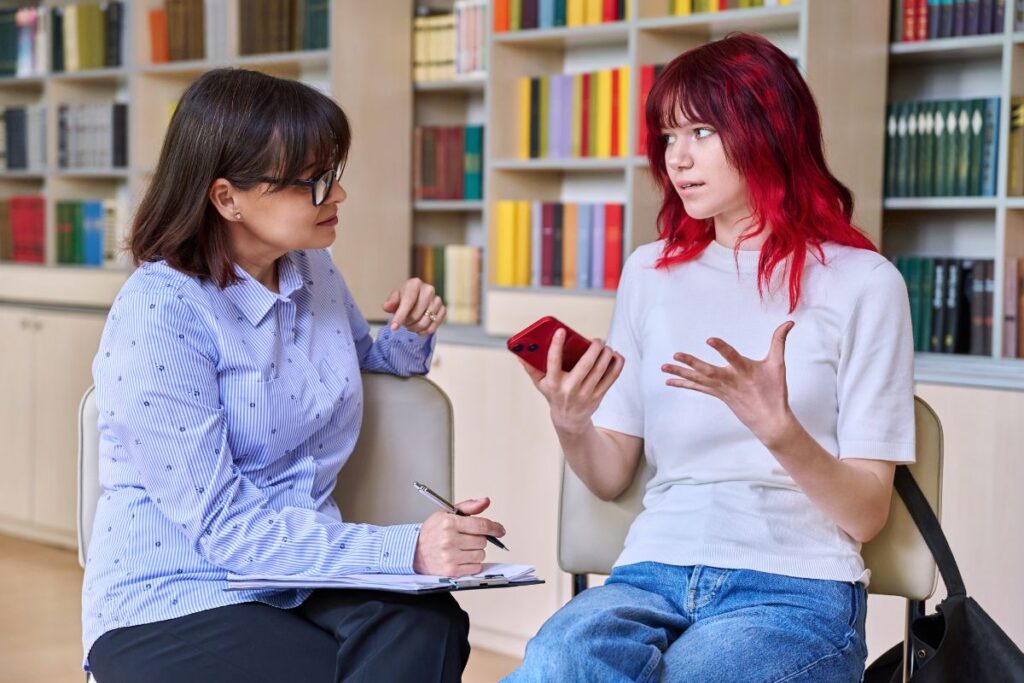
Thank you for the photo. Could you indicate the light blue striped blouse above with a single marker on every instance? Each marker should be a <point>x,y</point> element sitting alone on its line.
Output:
<point>225,416</point>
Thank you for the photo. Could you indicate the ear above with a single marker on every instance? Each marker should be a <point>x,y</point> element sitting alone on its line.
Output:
<point>222,196</point>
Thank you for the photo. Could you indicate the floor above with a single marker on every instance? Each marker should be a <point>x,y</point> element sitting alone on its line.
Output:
<point>40,632</point>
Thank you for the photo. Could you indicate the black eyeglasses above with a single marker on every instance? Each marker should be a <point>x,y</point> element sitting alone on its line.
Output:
<point>319,187</point>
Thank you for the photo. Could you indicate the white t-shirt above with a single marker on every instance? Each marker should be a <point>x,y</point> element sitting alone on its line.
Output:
<point>718,497</point>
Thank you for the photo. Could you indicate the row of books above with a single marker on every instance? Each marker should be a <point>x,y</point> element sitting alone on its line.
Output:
<point>681,8</point>
<point>1013,308</point>
<point>86,35</point>
<point>22,42</point>
<point>177,31</point>
<point>942,148</point>
<point>951,303</point>
<point>916,20</point>
<point>448,162</point>
<point>574,115</point>
<point>92,135</point>
<point>1015,172</point>
<point>23,138</point>
<point>283,25</point>
<point>450,45</point>
<point>516,15</point>
<point>454,270</point>
<point>87,231</point>
<point>555,244</point>
<point>22,225</point>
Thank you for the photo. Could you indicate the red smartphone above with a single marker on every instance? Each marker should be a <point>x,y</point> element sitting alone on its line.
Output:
<point>532,344</point>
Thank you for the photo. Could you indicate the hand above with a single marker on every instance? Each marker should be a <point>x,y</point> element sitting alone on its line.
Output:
<point>450,545</point>
<point>417,307</point>
<point>755,390</point>
<point>574,396</point>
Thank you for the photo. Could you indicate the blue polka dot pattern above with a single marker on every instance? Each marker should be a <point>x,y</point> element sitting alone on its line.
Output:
<point>227,456</point>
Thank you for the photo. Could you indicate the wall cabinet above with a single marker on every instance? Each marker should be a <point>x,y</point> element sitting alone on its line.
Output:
<point>45,364</point>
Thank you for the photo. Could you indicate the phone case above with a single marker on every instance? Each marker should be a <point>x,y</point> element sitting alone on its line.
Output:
<point>533,342</point>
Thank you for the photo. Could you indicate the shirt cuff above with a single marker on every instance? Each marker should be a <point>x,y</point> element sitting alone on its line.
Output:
<point>409,352</point>
<point>398,548</point>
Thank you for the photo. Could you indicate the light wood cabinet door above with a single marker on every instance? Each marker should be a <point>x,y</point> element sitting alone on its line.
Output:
<point>16,401</point>
<point>506,449</point>
<point>65,344</point>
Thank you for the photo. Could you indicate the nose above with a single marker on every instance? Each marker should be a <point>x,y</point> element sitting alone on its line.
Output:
<point>337,194</point>
<point>677,155</point>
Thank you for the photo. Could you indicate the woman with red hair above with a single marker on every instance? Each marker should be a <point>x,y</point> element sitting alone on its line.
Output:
<point>763,368</point>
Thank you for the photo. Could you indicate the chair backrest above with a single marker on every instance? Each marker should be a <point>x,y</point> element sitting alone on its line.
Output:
<point>591,532</point>
<point>406,436</point>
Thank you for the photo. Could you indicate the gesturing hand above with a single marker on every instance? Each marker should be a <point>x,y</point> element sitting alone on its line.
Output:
<point>450,545</point>
<point>417,307</point>
<point>755,390</point>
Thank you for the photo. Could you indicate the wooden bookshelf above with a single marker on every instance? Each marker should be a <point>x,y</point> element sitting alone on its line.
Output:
<point>372,232</point>
<point>990,65</point>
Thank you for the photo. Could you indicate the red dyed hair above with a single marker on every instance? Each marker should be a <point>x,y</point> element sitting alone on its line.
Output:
<point>752,94</point>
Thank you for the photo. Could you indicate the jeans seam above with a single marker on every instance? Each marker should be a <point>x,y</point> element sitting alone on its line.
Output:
<point>714,590</point>
<point>816,662</point>
<point>652,664</point>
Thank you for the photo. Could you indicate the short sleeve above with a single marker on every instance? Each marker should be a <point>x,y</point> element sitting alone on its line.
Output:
<point>622,409</point>
<point>875,383</point>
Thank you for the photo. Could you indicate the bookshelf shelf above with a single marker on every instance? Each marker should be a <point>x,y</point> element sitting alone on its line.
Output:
<point>757,19</point>
<point>470,84</point>
<point>939,203</point>
<point>947,49</point>
<point>449,206</point>
<point>188,67</point>
<point>22,82</point>
<point>93,173</point>
<point>969,371</point>
<point>599,34</point>
<point>90,76</point>
<point>22,175</point>
<point>593,165</point>
<point>1015,203</point>
<point>305,58</point>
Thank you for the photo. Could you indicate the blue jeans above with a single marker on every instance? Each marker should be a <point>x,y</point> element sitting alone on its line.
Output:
<point>654,621</point>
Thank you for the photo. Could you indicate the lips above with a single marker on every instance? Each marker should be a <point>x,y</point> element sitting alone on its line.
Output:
<point>330,221</point>
<point>688,185</point>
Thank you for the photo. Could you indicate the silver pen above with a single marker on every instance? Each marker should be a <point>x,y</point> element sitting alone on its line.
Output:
<point>448,507</point>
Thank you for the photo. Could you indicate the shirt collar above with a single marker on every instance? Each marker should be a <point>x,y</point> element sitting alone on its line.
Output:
<point>254,300</point>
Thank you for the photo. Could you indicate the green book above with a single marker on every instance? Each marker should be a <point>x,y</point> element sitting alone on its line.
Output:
<point>890,148</point>
<point>939,182</point>
<point>912,153</point>
<point>437,253</point>
<point>925,149</point>
<point>977,143</point>
<point>927,285</point>
<point>903,148</point>
<point>963,147</point>
<point>515,15</point>
<point>77,211</point>
<point>913,279</point>
<point>952,147</point>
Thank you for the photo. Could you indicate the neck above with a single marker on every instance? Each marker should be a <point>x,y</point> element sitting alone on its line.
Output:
<point>262,268</point>
<point>731,226</point>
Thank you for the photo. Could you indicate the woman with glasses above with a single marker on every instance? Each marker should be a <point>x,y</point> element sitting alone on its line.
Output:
<point>228,383</point>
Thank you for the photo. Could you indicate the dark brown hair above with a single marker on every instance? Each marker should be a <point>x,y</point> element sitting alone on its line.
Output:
<point>239,125</point>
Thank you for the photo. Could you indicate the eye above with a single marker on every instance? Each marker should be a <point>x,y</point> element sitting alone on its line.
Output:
<point>702,132</point>
<point>668,138</point>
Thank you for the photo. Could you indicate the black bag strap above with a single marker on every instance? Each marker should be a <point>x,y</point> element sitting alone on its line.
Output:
<point>928,524</point>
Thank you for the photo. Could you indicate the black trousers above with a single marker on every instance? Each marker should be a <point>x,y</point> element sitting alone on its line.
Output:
<point>336,635</point>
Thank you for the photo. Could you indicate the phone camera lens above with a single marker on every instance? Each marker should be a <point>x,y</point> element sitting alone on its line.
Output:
<point>517,348</point>
<point>532,347</point>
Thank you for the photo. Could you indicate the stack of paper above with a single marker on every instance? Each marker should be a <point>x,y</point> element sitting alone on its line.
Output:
<point>494,575</point>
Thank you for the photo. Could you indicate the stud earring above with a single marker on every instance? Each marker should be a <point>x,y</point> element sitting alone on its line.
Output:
<point>238,216</point>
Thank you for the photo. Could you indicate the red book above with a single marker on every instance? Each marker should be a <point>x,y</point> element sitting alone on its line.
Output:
<point>922,19</point>
<point>612,245</point>
<point>500,16</point>
<point>616,152</point>
<point>547,244</point>
<point>585,115</point>
<point>611,10</point>
<point>646,83</point>
<point>27,228</point>
<point>909,20</point>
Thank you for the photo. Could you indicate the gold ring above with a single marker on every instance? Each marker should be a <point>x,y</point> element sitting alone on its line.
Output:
<point>431,315</point>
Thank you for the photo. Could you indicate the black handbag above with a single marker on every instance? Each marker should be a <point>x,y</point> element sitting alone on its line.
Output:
<point>960,642</point>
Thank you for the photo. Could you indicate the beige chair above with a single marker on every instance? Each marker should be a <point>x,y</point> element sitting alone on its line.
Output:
<point>591,532</point>
<point>406,436</point>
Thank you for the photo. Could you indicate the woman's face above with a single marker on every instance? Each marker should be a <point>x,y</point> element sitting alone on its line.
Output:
<point>701,174</point>
<point>286,220</point>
